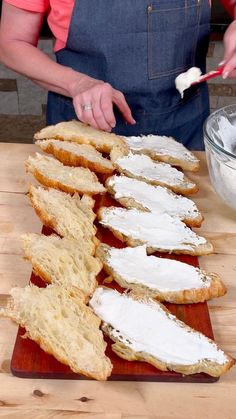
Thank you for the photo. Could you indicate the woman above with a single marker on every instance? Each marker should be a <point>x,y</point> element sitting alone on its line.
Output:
<point>117,61</point>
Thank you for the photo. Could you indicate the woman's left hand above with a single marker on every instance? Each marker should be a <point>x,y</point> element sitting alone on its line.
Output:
<point>230,51</point>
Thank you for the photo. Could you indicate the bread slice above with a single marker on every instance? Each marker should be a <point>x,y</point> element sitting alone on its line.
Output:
<point>50,172</point>
<point>165,149</point>
<point>68,215</point>
<point>163,279</point>
<point>72,154</point>
<point>143,168</point>
<point>133,193</point>
<point>145,330</point>
<point>161,232</point>
<point>62,261</point>
<point>81,133</point>
<point>59,321</point>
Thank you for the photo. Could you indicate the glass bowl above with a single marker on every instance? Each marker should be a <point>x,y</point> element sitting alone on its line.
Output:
<point>220,144</point>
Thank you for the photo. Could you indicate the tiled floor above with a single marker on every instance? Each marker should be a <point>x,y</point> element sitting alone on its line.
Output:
<point>22,103</point>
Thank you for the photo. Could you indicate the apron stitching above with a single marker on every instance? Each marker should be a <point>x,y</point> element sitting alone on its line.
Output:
<point>174,9</point>
<point>149,40</point>
<point>197,35</point>
<point>155,74</point>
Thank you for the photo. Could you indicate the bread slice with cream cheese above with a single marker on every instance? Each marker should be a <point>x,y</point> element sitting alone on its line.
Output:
<point>164,149</point>
<point>142,167</point>
<point>145,330</point>
<point>159,232</point>
<point>163,279</point>
<point>133,193</point>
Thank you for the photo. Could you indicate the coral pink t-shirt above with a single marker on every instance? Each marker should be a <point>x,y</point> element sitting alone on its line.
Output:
<point>60,11</point>
<point>59,15</point>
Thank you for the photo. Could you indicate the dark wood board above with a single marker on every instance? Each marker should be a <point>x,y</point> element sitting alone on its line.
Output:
<point>30,361</point>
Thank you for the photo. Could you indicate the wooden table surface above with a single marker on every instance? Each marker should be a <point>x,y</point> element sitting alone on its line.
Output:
<point>31,398</point>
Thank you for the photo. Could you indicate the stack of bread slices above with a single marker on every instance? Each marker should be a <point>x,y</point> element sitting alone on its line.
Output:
<point>69,316</point>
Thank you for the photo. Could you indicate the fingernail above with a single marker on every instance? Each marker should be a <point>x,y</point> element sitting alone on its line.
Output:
<point>225,75</point>
<point>133,122</point>
<point>113,124</point>
<point>221,63</point>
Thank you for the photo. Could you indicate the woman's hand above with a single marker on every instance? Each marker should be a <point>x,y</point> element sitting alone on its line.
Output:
<point>230,51</point>
<point>93,102</point>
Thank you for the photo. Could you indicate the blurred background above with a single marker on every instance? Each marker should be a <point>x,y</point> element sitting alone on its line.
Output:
<point>23,104</point>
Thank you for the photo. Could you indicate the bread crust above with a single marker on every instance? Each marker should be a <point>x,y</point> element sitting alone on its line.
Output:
<point>132,203</point>
<point>82,134</point>
<point>70,159</point>
<point>208,367</point>
<point>119,151</point>
<point>188,296</point>
<point>56,184</point>
<point>102,376</point>
<point>200,250</point>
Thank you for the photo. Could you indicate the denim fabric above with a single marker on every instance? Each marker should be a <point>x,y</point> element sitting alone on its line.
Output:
<point>139,47</point>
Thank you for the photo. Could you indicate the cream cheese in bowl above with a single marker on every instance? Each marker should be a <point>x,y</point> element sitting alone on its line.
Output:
<point>220,144</point>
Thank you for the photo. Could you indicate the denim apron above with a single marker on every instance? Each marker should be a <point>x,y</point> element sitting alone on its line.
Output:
<point>139,47</point>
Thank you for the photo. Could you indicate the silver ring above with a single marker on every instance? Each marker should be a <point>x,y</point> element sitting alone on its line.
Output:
<point>87,107</point>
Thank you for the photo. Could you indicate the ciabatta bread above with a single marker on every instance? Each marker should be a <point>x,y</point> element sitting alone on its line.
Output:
<point>59,321</point>
<point>164,149</point>
<point>62,261</point>
<point>68,215</point>
<point>145,330</point>
<point>50,172</point>
<point>81,133</point>
<point>163,279</point>
<point>142,167</point>
<point>72,154</point>
<point>133,193</point>
<point>158,232</point>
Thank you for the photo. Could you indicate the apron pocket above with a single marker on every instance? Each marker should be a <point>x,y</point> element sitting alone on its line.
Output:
<point>173,27</point>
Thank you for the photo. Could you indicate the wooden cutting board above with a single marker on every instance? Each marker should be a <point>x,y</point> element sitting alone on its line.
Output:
<point>29,361</point>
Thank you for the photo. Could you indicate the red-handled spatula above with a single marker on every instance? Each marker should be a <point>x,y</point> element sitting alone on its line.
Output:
<point>193,76</point>
<point>210,75</point>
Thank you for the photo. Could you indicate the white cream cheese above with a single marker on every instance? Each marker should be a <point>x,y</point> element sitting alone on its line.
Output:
<point>160,274</point>
<point>184,80</point>
<point>147,327</point>
<point>157,199</point>
<point>161,145</point>
<point>222,167</point>
<point>158,231</point>
<point>142,165</point>
<point>226,135</point>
